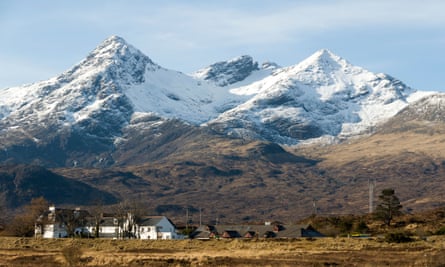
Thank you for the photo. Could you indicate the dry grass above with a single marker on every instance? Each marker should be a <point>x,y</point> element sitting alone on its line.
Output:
<point>378,146</point>
<point>302,252</point>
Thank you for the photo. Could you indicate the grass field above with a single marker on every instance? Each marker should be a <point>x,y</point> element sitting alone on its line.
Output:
<point>298,252</point>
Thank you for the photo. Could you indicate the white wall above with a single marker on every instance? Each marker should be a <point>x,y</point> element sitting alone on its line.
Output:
<point>54,231</point>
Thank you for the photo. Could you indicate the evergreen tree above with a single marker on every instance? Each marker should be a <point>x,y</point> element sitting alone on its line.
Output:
<point>389,206</point>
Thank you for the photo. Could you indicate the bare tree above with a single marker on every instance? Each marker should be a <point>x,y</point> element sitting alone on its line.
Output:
<point>72,219</point>
<point>32,216</point>
<point>128,213</point>
<point>135,213</point>
<point>121,212</point>
<point>38,206</point>
<point>97,212</point>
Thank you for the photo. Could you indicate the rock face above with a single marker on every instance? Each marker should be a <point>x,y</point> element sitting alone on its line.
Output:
<point>228,72</point>
<point>84,116</point>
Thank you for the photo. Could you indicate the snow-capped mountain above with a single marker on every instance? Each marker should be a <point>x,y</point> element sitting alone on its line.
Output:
<point>117,90</point>
<point>114,72</point>
<point>89,106</point>
<point>323,95</point>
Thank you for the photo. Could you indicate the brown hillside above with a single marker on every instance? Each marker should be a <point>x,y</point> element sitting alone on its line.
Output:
<point>233,180</point>
<point>228,179</point>
<point>409,157</point>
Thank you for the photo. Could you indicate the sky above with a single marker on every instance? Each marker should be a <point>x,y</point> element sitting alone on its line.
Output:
<point>403,38</point>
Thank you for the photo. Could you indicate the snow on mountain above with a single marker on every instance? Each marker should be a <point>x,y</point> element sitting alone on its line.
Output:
<point>430,107</point>
<point>235,72</point>
<point>101,93</point>
<point>116,84</point>
<point>323,95</point>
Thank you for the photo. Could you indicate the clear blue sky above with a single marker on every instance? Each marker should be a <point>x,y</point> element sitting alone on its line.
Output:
<point>406,39</point>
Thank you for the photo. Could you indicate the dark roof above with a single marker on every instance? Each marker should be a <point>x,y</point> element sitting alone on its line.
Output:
<point>108,221</point>
<point>278,231</point>
<point>104,221</point>
<point>231,234</point>
<point>62,215</point>
<point>203,232</point>
<point>152,220</point>
<point>250,234</point>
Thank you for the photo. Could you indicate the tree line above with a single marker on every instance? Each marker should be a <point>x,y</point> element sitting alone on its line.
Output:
<point>25,221</point>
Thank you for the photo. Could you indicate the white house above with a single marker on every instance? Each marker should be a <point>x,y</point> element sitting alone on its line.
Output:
<point>145,227</point>
<point>155,227</point>
<point>58,223</point>
<point>109,227</point>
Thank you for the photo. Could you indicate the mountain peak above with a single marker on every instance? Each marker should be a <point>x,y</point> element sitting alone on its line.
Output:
<point>225,73</point>
<point>242,58</point>
<point>115,39</point>
<point>112,47</point>
<point>324,59</point>
<point>325,53</point>
<point>117,58</point>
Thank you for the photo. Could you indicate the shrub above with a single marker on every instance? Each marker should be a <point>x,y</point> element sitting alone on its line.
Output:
<point>436,260</point>
<point>398,237</point>
<point>441,231</point>
<point>362,227</point>
<point>72,255</point>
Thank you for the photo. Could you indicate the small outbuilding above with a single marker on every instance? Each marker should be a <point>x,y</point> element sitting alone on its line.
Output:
<point>255,231</point>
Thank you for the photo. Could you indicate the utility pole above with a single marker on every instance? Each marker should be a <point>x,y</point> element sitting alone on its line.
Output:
<point>314,206</point>
<point>371,185</point>
<point>200,216</point>
<point>187,219</point>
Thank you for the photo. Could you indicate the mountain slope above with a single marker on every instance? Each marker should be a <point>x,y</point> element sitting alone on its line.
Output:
<point>426,114</point>
<point>21,183</point>
<point>405,153</point>
<point>235,180</point>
